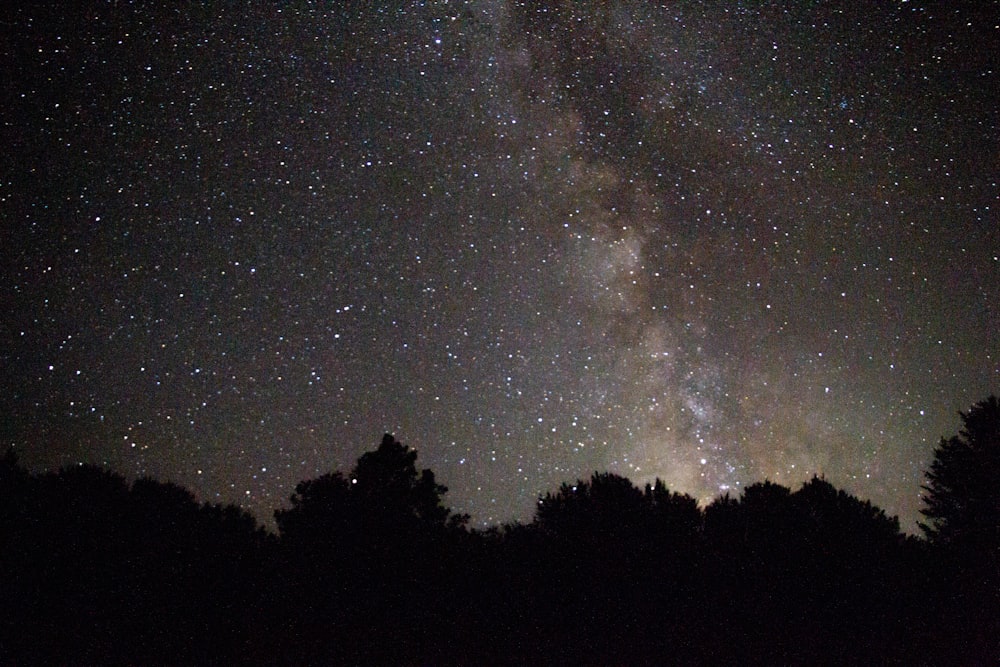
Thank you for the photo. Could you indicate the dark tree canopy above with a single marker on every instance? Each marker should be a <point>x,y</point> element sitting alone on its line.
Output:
<point>609,505</point>
<point>320,506</point>
<point>387,483</point>
<point>606,502</point>
<point>372,568</point>
<point>677,513</point>
<point>383,492</point>
<point>962,493</point>
<point>839,515</point>
<point>97,571</point>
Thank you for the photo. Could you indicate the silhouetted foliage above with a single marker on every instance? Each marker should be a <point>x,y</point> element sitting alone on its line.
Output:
<point>962,494</point>
<point>100,572</point>
<point>389,488</point>
<point>372,568</point>
<point>384,492</point>
<point>605,505</point>
<point>321,509</point>
<point>675,513</point>
<point>962,502</point>
<point>358,546</point>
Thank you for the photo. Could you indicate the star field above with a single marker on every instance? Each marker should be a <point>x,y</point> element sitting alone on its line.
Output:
<point>708,242</point>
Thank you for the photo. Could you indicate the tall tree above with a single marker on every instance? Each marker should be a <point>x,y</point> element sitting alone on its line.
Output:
<point>383,496</point>
<point>962,503</point>
<point>962,493</point>
<point>386,483</point>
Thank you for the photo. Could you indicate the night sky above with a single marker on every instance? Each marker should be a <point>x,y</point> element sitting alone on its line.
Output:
<point>711,242</point>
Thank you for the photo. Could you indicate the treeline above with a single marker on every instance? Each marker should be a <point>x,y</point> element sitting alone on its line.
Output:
<point>371,567</point>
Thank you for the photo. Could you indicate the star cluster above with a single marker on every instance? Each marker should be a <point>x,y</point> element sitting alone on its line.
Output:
<point>707,242</point>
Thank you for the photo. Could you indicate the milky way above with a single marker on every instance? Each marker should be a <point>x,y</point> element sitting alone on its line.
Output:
<point>708,242</point>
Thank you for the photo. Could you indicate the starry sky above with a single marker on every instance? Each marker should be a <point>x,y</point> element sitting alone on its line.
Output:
<point>711,242</point>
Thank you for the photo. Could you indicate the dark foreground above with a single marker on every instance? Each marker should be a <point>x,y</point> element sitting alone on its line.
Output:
<point>372,569</point>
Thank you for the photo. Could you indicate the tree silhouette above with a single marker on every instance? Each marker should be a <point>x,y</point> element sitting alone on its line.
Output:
<point>606,505</point>
<point>388,486</point>
<point>95,571</point>
<point>384,491</point>
<point>962,503</point>
<point>372,567</point>
<point>322,510</point>
<point>369,559</point>
<point>962,494</point>
<point>677,514</point>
